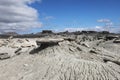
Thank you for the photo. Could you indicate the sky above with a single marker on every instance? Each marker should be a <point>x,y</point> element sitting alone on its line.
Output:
<point>31,16</point>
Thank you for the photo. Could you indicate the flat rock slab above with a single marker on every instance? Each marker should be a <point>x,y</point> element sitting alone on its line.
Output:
<point>47,41</point>
<point>44,43</point>
<point>69,39</point>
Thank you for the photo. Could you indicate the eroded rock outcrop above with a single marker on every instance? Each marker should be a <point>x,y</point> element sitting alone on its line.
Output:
<point>11,47</point>
<point>44,43</point>
<point>74,57</point>
<point>116,41</point>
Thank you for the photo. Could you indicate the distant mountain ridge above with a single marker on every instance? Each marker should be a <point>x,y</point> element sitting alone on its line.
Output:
<point>50,32</point>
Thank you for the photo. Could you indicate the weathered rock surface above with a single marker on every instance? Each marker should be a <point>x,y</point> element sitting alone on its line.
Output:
<point>48,41</point>
<point>81,57</point>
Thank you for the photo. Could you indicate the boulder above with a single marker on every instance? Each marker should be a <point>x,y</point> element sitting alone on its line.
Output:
<point>85,45</point>
<point>116,41</point>
<point>4,56</point>
<point>17,51</point>
<point>69,39</point>
<point>111,37</point>
<point>93,51</point>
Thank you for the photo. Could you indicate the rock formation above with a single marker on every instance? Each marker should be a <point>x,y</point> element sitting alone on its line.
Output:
<point>116,41</point>
<point>60,57</point>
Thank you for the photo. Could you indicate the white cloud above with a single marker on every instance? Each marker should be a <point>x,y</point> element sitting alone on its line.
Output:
<point>109,26</point>
<point>17,15</point>
<point>104,20</point>
<point>49,18</point>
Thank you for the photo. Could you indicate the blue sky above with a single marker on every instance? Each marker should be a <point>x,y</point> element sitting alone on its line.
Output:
<point>31,16</point>
<point>60,15</point>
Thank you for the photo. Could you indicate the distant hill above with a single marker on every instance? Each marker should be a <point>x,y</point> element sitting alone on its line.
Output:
<point>11,33</point>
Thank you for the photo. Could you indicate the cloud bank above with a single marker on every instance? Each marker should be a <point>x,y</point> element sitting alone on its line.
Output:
<point>16,15</point>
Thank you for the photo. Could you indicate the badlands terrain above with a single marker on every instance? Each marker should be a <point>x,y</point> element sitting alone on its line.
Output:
<point>61,56</point>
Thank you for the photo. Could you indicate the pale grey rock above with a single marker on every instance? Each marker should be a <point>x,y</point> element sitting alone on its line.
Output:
<point>116,41</point>
<point>111,37</point>
<point>4,56</point>
<point>59,58</point>
<point>85,44</point>
<point>48,41</point>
